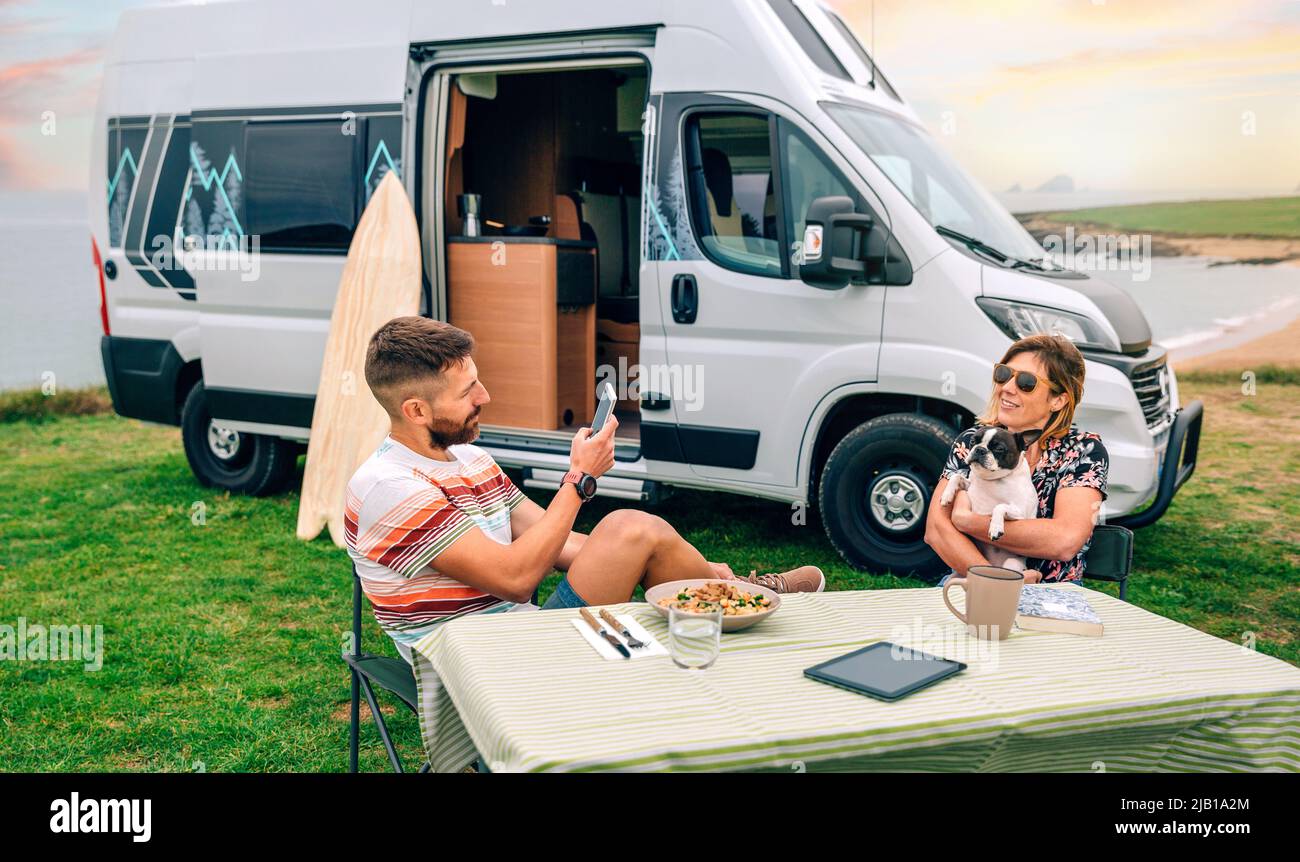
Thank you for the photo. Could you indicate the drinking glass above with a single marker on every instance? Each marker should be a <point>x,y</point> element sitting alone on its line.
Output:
<point>694,639</point>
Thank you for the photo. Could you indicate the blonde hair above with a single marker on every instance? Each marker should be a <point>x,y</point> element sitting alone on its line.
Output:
<point>1065,372</point>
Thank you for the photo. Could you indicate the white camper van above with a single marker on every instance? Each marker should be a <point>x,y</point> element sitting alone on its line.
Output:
<point>723,208</point>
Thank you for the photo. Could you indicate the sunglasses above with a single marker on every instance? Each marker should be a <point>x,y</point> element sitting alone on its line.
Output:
<point>1026,381</point>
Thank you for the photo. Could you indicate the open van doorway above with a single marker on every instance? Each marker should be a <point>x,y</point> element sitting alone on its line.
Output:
<point>540,241</point>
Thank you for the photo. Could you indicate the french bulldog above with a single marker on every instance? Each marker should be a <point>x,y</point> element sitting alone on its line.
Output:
<point>1000,485</point>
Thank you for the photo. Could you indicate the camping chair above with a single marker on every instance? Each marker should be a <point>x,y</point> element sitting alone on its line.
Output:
<point>393,675</point>
<point>1110,557</point>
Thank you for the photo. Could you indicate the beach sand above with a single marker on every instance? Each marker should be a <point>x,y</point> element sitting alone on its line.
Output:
<point>1280,347</point>
<point>1268,343</point>
<point>1239,248</point>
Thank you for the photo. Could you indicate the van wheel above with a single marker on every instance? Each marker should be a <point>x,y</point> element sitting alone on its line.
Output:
<point>874,491</point>
<point>242,463</point>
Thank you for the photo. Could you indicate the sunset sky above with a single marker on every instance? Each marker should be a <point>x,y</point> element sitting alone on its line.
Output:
<point>1117,94</point>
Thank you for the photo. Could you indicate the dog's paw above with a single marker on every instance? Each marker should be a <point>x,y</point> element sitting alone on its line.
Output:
<point>956,483</point>
<point>996,533</point>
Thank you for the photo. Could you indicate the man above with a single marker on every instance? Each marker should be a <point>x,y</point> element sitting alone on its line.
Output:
<point>437,530</point>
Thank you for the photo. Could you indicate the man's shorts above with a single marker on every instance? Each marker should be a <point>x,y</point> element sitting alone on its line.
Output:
<point>564,597</point>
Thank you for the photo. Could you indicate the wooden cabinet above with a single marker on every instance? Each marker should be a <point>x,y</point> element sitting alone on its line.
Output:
<point>529,302</point>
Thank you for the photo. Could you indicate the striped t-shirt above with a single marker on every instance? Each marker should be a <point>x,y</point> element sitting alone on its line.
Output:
<point>402,510</point>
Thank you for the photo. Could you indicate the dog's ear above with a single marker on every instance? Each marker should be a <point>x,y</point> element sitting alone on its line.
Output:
<point>1027,438</point>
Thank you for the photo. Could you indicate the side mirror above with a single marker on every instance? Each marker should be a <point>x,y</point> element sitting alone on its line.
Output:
<point>834,242</point>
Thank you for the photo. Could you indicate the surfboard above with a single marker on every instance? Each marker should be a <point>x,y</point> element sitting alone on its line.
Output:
<point>381,280</point>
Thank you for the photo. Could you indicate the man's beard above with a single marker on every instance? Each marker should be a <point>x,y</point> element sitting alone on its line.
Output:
<point>444,433</point>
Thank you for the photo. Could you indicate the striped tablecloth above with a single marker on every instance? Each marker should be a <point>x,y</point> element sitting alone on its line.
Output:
<point>529,694</point>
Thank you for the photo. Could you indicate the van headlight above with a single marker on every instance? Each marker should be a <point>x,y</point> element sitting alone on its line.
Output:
<point>1018,319</point>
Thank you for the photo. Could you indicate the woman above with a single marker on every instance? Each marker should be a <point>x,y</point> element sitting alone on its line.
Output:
<point>1038,384</point>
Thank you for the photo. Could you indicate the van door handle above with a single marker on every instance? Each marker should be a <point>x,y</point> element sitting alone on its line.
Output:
<point>654,401</point>
<point>685,298</point>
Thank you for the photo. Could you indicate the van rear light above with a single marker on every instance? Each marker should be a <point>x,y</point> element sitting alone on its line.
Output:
<point>103,295</point>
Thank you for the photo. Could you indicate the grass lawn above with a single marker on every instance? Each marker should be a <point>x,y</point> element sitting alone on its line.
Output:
<point>222,639</point>
<point>1269,217</point>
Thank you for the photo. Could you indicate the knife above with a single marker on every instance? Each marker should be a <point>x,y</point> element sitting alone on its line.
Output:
<point>600,630</point>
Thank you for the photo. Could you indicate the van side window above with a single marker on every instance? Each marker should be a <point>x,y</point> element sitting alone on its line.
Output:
<point>809,39</point>
<point>856,46</point>
<point>300,186</point>
<point>807,176</point>
<point>734,208</point>
<point>383,151</point>
<point>125,150</point>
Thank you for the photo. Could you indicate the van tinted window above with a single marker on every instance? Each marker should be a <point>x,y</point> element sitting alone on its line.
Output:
<point>384,151</point>
<point>849,36</point>
<point>125,149</point>
<point>733,206</point>
<point>808,176</point>
<point>301,185</point>
<point>809,40</point>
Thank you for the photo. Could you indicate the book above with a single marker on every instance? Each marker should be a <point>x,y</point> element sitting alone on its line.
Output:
<point>1050,609</point>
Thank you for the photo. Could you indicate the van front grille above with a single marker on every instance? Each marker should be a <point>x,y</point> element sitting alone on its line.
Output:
<point>1151,384</point>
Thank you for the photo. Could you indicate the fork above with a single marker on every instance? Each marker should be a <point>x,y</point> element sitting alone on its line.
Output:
<point>620,628</point>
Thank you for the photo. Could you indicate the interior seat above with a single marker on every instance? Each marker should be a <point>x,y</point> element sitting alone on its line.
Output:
<point>724,214</point>
<point>613,222</point>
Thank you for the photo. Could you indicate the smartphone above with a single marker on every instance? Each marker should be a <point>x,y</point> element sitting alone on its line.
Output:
<point>604,407</point>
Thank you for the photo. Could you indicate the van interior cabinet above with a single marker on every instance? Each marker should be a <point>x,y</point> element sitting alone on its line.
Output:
<point>530,303</point>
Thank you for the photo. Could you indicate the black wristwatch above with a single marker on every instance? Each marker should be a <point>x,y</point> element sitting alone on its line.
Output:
<point>583,483</point>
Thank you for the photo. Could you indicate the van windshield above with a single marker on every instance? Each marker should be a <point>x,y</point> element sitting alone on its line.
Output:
<point>934,182</point>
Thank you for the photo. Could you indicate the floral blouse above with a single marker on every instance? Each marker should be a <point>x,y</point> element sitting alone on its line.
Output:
<point>1077,460</point>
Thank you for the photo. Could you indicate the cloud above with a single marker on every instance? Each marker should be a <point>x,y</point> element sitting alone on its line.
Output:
<point>15,29</point>
<point>28,87</point>
<point>1178,64</point>
<point>16,172</point>
<point>64,84</point>
<point>1117,93</point>
<point>21,26</point>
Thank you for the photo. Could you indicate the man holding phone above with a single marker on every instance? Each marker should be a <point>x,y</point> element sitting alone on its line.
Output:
<point>437,530</point>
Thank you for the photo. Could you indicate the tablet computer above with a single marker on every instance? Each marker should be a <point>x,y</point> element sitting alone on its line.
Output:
<point>884,670</point>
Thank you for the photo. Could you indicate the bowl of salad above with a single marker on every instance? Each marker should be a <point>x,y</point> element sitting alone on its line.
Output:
<point>742,604</point>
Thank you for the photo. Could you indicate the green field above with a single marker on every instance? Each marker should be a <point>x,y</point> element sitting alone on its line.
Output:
<point>1263,217</point>
<point>222,638</point>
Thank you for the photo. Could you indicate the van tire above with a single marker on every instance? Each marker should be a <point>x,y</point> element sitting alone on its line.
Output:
<point>899,456</point>
<point>257,465</point>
